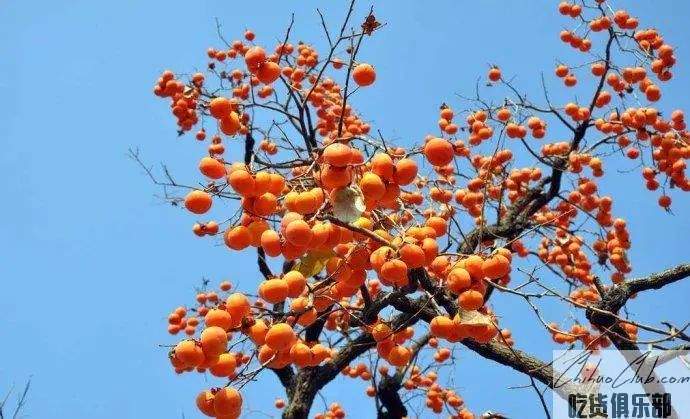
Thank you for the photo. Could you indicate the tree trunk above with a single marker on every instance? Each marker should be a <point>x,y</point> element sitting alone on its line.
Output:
<point>390,399</point>
<point>302,396</point>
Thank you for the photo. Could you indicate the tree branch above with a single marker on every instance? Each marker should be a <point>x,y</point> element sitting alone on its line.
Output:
<point>660,279</point>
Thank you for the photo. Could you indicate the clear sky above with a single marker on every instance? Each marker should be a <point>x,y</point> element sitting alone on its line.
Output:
<point>91,262</point>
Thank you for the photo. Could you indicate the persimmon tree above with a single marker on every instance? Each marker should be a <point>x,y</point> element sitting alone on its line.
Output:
<point>385,250</point>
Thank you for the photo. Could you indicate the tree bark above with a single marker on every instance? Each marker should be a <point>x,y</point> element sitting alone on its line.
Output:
<point>392,405</point>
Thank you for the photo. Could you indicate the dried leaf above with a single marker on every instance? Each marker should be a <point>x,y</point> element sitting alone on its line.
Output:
<point>370,24</point>
<point>313,263</point>
<point>562,241</point>
<point>188,91</point>
<point>474,317</point>
<point>348,204</point>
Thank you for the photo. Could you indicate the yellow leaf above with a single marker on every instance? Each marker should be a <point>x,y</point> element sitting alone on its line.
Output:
<point>313,263</point>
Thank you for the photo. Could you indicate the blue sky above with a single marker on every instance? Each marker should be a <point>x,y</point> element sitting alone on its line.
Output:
<point>91,262</point>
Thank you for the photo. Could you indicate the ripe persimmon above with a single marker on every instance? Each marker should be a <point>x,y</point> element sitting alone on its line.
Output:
<point>230,124</point>
<point>473,265</point>
<point>189,353</point>
<point>204,402</point>
<point>405,172</point>
<point>307,314</point>
<point>458,280</point>
<point>503,114</point>
<point>238,237</point>
<point>439,225</point>
<point>220,107</point>
<point>364,74</point>
<point>335,177</point>
<point>212,168</point>
<point>295,282</point>
<point>372,186</point>
<point>227,402</point>
<point>494,74</point>
<point>198,202</point>
<point>394,271</point>
<point>471,300</point>
<point>298,233</point>
<point>265,204</point>
<point>225,365</point>
<point>412,255</point>
<point>399,356</point>
<point>257,332</point>
<point>301,355</point>
<point>382,332</point>
<point>268,72</point>
<point>441,326</point>
<point>337,155</point>
<point>664,201</point>
<point>274,291</point>
<point>439,152</point>
<point>217,317</point>
<point>238,306</point>
<point>280,337</point>
<point>254,57</point>
<point>382,165</point>
<point>270,242</point>
<point>496,267</point>
<point>213,341</point>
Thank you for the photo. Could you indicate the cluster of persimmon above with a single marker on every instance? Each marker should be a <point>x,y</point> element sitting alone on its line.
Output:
<point>210,228</point>
<point>269,147</point>
<point>565,250</point>
<point>584,295</point>
<point>569,9</point>
<point>349,265</point>
<point>178,320</point>
<point>357,217</point>
<point>335,411</point>
<point>277,345</point>
<point>578,333</point>
<point>437,397</point>
<point>359,371</point>
<point>569,78</point>
<point>442,354</point>
<point>591,340</point>
<point>184,100</point>
<point>390,343</point>
<point>576,42</point>
<point>467,278</point>
<point>669,140</point>
<point>616,245</point>
<point>645,122</point>
<point>445,122</point>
